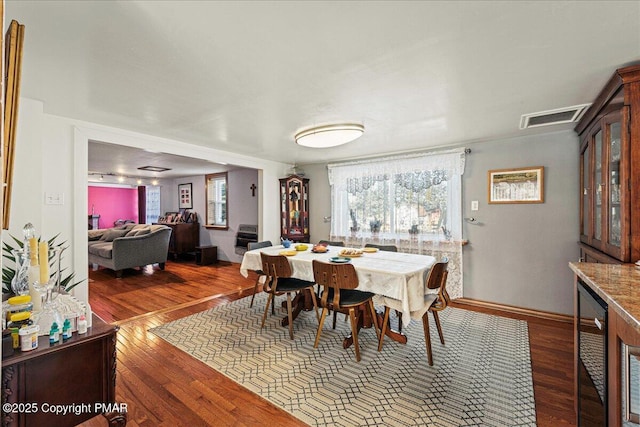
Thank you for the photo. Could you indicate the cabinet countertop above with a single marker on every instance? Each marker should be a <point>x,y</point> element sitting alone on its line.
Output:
<point>618,285</point>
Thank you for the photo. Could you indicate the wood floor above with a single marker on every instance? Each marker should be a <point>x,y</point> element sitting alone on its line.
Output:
<point>162,386</point>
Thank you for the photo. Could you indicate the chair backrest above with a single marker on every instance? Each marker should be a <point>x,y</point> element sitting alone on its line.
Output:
<point>336,276</point>
<point>257,245</point>
<point>386,248</point>
<point>330,243</point>
<point>275,265</point>
<point>322,273</point>
<point>345,276</point>
<point>437,279</point>
<point>437,274</point>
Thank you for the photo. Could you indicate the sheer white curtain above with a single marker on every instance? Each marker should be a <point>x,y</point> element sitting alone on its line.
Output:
<point>412,201</point>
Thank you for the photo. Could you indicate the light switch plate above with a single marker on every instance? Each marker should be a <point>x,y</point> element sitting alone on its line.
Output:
<point>54,198</point>
<point>474,205</point>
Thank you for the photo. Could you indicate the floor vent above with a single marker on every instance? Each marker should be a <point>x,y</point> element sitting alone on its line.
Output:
<point>553,117</point>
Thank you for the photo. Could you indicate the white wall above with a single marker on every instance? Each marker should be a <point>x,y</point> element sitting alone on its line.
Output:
<point>517,254</point>
<point>51,156</point>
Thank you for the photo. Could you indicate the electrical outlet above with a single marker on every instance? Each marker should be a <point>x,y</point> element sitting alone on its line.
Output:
<point>474,205</point>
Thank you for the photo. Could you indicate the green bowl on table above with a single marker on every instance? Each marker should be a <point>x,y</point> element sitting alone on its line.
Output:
<point>339,260</point>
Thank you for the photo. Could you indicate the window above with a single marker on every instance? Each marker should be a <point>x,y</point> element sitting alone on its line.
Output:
<point>413,202</point>
<point>217,189</point>
<point>399,197</point>
<point>152,203</point>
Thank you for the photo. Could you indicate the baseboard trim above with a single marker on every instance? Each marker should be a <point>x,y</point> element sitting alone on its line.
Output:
<point>512,311</point>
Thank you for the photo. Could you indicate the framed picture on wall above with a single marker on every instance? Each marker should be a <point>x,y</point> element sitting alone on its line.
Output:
<point>185,199</point>
<point>521,185</point>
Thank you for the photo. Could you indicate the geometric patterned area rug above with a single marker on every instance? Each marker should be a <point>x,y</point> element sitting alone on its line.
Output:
<point>480,377</point>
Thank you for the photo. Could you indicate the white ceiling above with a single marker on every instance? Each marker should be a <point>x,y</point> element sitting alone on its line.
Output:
<point>245,76</point>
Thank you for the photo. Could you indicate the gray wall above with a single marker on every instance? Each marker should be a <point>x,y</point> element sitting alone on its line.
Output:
<point>242,208</point>
<point>517,254</point>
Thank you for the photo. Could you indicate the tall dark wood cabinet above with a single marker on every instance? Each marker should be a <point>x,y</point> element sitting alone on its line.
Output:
<point>294,208</point>
<point>80,372</point>
<point>185,236</point>
<point>610,171</point>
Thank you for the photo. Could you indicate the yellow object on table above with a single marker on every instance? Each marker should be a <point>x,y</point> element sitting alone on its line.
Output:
<point>33,250</point>
<point>44,262</point>
<point>288,253</point>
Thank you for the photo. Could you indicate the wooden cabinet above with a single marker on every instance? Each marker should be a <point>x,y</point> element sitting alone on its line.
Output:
<point>79,372</point>
<point>294,208</point>
<point>185,237</point>
<point>610,171</point>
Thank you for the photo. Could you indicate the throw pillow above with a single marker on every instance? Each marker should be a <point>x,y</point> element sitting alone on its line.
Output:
<point>137,232</point>
<point>112,234</point>
<point>143,232</point>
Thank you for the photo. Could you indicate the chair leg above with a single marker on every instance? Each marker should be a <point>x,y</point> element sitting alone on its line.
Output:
<point>315,303</point>
<point>354,332</point>
<point>335,315</point>
<point>435,316</point>
<point>266,309</point>
<point>266,287</point>
<point>383,331</point>
<point>427,337</point>
<point>255,289</point>
<point>399,314</point>
<point>325,311</point>
<point>374,319</point>
<point>290,315</point>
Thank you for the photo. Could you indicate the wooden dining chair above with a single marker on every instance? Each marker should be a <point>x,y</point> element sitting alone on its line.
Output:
<point>258,245</point>
<point>434,302</point>
<point>386,248</point>
<point>280,282</point>
<point>331,243</point>
<point>339,294</point>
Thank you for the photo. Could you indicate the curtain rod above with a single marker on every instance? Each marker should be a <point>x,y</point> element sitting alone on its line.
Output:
<point>399,156</point>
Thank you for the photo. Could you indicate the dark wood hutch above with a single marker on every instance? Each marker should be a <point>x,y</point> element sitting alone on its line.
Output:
<point>294,208</point>
<point>610,231</point>
<point>610,172</point>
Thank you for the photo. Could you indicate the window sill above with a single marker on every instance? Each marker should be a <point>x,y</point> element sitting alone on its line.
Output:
<point>216,227</point>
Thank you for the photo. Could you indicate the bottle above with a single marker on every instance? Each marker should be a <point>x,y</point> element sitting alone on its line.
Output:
<point>18,321</point>
<point>82,325</point>
<point>18,304</point>
<point>54,334</point>
<point>29,337</point>
<point>66,330</point>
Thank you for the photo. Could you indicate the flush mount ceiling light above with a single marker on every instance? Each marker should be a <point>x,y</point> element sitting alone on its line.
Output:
<point>329,135</point>
<point>154,168</point>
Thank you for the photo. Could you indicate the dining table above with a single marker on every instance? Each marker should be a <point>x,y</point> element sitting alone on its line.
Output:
<point>396,279</point>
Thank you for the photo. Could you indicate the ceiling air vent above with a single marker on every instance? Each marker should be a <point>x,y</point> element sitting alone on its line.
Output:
<point>553,117</point>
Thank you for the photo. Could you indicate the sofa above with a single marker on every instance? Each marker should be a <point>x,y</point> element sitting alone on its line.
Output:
<point>129,246</point>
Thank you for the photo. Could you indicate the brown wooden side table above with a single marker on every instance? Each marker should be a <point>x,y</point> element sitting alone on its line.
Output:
<point>206,255</point>
<point>79,374</point>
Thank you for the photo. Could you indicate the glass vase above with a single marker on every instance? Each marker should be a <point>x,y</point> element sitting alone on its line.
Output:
<point>20,281</point>
<point>50,290</point>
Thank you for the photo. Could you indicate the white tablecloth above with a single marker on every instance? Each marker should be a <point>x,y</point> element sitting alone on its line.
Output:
<point>396,278</point>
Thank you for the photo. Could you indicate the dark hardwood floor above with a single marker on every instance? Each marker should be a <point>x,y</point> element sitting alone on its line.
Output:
<point>164,386</point>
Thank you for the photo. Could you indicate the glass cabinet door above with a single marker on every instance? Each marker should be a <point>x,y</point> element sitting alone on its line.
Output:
<point>615,210</point>
<point>598,187</point>
<point>294,207</point>
<point>585,178</point>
